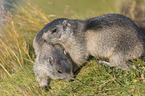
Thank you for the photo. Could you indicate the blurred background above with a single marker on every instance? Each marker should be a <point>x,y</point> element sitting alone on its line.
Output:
<point>68,7</point>
<point>78,9</point>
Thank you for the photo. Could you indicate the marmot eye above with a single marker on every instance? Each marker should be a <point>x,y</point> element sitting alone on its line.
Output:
<point>59,72</point>
<point>54,30</point>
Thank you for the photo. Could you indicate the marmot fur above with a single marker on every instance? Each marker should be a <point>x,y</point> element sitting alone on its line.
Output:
<point>112,36</point>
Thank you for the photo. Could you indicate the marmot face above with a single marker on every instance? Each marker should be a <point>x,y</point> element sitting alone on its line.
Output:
<point>57,31</point>
<point>55,61</point>
<point>60,67</point>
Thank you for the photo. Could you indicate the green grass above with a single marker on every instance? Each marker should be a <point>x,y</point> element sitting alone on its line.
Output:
<point>93,79</point>
<point>17,58</point>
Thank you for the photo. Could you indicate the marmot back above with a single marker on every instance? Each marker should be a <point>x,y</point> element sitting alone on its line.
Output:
<point>111,36</point>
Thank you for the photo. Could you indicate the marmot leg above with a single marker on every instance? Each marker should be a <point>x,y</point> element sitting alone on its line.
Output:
<point>119,61</point>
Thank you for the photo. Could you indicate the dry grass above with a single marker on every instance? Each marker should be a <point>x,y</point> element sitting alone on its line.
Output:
<point>16,37</point>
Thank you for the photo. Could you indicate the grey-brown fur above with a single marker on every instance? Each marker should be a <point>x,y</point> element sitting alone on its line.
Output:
<point>51,62</point>
<point>112,36</point>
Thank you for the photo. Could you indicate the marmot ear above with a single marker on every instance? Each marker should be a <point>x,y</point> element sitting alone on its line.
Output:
<point>64,52</point>
<point>65,23</point>
<point>50,60</point>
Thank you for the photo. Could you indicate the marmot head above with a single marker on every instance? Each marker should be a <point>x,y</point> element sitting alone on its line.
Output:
<point>62,70</point>
<point>57,31</point>
<point>59,65</point>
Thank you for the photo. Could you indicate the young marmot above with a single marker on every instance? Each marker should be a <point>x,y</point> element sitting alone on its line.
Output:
<point>112,36</point>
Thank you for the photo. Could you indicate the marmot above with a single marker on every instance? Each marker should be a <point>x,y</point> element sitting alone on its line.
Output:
<point>51,62</point>
<point>112,36</point>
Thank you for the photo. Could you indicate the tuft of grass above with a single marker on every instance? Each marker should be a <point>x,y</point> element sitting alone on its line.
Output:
<point>13,49</point>
<point>17,36</point>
